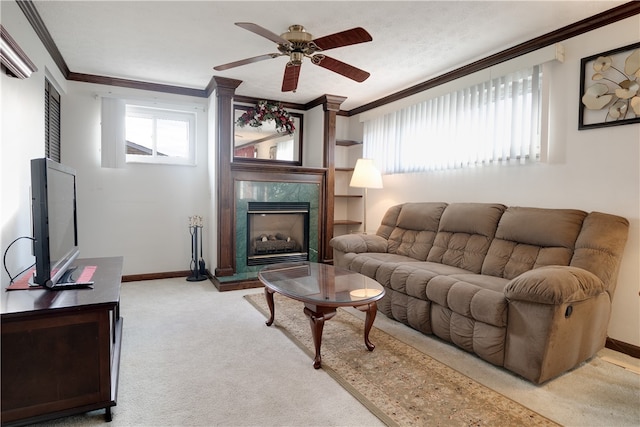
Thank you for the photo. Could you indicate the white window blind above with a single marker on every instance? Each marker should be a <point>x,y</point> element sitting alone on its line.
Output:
<point>113,133</point>
<point>494,122</point>
<point>284,150</point>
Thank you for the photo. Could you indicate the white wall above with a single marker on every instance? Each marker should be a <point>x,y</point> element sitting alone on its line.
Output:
<point>21,137</point>
<point>140,211</point>
<point>593,170</point>
<point>312,150</point>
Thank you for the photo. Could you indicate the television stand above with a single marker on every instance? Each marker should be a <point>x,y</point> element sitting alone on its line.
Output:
<point>61,349</point>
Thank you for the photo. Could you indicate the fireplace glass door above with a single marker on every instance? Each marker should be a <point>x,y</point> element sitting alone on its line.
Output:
<point>277,232</point>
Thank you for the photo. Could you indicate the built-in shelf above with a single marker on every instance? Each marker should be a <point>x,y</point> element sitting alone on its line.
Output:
<point>348,201</point>
<point>347,142</point>
<point>346,222</point>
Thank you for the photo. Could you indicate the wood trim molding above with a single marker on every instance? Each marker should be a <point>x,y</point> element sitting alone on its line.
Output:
<point>623,347</point>
<point>605,18</point>
<point>13,58</point>
<point>135,84</point>
<point>34,18</point>
<point>600,20</point>
<point>236,284</point>
<point>240,168</point>
<point>156,276</point>
<point>251,100</point>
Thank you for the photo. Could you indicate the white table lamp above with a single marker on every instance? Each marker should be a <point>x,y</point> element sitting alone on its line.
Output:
<point>366,175</point>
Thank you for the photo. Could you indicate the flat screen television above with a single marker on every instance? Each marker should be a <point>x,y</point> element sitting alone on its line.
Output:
<point>55,225</point>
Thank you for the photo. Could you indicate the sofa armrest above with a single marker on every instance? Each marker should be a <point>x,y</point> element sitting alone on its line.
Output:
<point>554,285</point>
<point>359,243</point>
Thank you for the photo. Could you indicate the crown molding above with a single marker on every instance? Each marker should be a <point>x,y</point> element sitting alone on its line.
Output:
<point>252,100</point>
<point>135,84</point>
<point>34,18</point>
<point>13,58</point>
<point>607,17</point>
<point>600,20</point>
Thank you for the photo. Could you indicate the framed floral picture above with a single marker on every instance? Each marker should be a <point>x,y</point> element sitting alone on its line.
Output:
<point>610,88</point>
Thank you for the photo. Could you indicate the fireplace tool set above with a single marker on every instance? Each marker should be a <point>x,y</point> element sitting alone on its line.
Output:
<point>198,268</point>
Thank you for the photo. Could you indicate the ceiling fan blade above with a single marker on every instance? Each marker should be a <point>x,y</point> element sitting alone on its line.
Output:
<point>246,61</point>
<point>291,75</point>
<point>343,38</point>
<point>261,31</point>
<point>340,67</point>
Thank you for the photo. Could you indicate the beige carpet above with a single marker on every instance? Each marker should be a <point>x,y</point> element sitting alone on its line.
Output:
<point>398,383</point>
<point>193,356</point>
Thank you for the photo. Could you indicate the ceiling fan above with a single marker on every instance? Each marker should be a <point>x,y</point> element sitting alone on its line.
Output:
<point>297,44</point>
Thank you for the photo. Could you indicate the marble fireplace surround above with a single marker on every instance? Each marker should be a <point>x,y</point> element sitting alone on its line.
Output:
<point>266,184</point>
<point>257,191</point>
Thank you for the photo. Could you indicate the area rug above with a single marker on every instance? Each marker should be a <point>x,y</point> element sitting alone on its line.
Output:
<point>398,383</point>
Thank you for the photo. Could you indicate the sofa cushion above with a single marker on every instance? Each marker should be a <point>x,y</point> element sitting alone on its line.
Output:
<point>493,283</point>
<point>464,234</point>
<point>359,243</point>
<point>468,299</point>
<point>389,221</point>
<point>599,246</point>
<point>415,230</point>
<point>369,263</point>
<point>529,238</point>
<point>412,278</point>
<point>470,315</point>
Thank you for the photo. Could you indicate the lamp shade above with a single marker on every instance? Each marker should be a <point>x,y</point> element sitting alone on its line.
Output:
<point>366,175</point>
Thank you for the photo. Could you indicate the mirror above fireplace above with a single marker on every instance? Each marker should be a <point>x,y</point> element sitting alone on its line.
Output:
<point>264,144</point>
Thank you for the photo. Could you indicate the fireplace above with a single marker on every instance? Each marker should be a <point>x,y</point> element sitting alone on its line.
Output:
<point>277,232</point>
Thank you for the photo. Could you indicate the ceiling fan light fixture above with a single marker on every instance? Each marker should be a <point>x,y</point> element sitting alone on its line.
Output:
<point>297,33</point>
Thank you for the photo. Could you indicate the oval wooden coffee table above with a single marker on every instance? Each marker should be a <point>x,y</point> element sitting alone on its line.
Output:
<point>322,288</point>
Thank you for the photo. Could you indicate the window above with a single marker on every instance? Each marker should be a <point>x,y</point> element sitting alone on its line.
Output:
<point>494,122</point>
<point>158,135</point>
<point>51,122</point>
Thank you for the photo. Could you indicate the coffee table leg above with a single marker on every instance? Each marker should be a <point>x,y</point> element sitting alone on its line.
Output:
<point>317,325</point>
<point>317,316</point>
<point>268,293</point>
<point>371,310</point>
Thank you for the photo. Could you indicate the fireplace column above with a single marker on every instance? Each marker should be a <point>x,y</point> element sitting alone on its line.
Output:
<point>224,92</point>
<point>331,106</point>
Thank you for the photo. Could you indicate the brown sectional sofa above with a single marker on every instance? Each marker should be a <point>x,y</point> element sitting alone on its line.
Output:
<point>528,289</point>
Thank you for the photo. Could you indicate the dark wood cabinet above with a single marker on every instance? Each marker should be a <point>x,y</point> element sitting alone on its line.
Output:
<point>61,349</point>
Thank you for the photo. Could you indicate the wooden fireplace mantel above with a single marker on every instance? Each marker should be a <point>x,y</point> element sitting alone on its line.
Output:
<point>228,172</point>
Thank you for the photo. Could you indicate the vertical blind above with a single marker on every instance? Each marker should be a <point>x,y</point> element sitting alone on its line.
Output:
<point>497,121</point>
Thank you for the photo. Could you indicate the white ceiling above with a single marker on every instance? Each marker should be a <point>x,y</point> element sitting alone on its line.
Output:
<point>179,42</point>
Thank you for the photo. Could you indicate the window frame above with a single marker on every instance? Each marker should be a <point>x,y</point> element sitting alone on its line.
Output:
<point>165,112</point>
